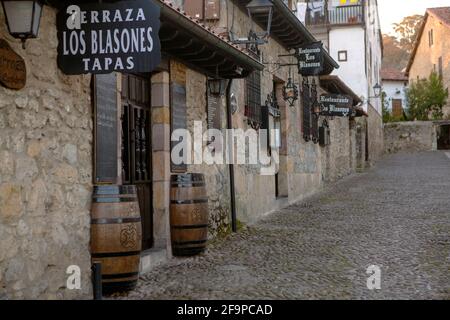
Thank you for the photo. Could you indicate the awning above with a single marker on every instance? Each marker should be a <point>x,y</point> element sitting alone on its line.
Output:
<point>200,48</point>
<point>333,84</point>
<point>288,29</point>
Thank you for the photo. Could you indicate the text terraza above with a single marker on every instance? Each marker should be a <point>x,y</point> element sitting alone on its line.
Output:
<point>112,42</point>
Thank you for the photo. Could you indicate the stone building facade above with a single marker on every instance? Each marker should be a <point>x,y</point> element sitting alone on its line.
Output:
<point>47,143</point>
<point>432,50</point>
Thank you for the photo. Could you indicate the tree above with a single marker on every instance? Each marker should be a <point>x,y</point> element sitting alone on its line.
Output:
<point>394,57</point>
<point>407,31</point>
<point>426,97</point>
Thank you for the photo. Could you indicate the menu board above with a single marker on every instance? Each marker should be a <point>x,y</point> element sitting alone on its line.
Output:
<point>106,135</point>
<point>179,119</point>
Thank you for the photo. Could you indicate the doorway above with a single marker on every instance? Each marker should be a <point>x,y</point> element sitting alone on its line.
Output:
<point>444,137</point>
<point>136,147</point>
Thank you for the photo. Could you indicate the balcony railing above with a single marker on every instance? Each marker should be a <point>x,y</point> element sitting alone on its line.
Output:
<point>343,15</point>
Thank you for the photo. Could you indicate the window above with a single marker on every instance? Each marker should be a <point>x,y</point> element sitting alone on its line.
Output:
<point>253,99</point>
<point>441,71</point>
<point>342,56</point>
<point>430,38</point>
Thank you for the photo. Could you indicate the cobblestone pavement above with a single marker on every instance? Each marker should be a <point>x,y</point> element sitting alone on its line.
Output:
<point>396,216</point>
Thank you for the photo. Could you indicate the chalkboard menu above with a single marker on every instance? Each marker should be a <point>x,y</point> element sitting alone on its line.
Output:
<point>214,118</point>
<point>106,134</point>
<point>179,119</point>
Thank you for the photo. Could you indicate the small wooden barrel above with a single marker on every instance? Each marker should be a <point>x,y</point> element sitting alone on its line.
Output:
<point>116,236</point>
<point>188,214</point>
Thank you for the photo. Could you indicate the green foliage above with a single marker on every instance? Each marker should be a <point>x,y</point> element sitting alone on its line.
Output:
<point>426,97</point>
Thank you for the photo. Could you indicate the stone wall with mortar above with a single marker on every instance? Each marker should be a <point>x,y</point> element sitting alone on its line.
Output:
<point>45,174</point>
<point>409,136</point>
<point>375,133</point>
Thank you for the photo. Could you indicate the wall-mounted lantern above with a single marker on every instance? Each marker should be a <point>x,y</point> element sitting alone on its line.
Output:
<point>257,8</point>
<point>377,90</point>
<point>217,86</point>
<point>290,92</point>
<point>23,18</point>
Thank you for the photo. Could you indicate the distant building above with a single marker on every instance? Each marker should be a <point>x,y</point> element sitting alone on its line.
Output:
<point>432,48</point>
<point>395,84</point>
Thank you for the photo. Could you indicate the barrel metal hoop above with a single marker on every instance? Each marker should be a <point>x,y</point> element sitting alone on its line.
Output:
<point>194,226</point>
<point>189,242</point>
<point>115,221</point>
<point>116,254</point>
<point>189,201</point>
<point>120,275</point>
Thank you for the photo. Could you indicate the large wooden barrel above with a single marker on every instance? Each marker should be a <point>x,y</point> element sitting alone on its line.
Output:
<point>188,214</point>
<point>116,234</point>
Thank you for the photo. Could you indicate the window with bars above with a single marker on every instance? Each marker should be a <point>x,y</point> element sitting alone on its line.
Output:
<point>253,99</point>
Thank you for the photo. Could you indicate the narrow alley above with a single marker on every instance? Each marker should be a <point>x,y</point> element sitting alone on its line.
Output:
<point>395,216</point>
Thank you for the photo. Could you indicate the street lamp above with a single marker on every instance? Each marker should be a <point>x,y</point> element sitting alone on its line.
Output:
<point>377,90</point>
<point>257,8</point>
<point>22,18</point>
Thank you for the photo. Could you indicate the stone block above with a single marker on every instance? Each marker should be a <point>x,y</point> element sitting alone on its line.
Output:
<point>161,166</point>
<point>161,195</point>
<point>161,137</point>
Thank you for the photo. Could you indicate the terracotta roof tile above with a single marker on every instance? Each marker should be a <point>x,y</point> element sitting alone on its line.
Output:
<point>442,13</point>
<point>393,74</point>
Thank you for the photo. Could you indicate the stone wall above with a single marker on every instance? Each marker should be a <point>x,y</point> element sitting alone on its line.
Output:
<point>45,174</point>
<point>409,136</point>
<point>375,135</point>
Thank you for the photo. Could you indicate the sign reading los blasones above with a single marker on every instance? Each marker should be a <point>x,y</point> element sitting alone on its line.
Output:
<point>101,38</point>
<point>336,105</point>
<point>310,59</point>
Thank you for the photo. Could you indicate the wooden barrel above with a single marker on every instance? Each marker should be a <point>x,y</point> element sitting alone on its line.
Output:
<point>116,234</point>
<point>188,214</point>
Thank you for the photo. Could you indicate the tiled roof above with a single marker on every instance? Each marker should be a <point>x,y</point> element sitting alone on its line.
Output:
<point>442,13</point>
<point>393,75</point>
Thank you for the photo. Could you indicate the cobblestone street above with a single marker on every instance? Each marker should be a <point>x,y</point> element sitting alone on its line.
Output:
<point>396,216</point>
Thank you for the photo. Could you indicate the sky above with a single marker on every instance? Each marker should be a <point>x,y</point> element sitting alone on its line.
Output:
<point>392,11</point>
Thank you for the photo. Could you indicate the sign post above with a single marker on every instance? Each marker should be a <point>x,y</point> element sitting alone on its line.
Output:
<point>310,59</point>
<point>101,38</point>
<point>335,105</point>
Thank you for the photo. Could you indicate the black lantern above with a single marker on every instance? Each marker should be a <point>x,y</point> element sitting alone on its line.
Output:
<point>290,92</point>
<point>377,90</point>
<point>23,18</point>
<point>216,86</point>
<point>257,8</point>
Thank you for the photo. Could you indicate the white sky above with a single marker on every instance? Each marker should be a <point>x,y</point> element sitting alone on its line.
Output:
<point>392,11</point>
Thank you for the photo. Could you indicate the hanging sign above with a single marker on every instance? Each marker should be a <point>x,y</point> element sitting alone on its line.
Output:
<point>105,37</point>
<point>336,105</point>
<point>13,73</point>
<point>310,59</point>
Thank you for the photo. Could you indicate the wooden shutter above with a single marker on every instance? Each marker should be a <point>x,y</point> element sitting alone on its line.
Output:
<point>194,8</point>
<point>212,9</point>
<point>306,99</point>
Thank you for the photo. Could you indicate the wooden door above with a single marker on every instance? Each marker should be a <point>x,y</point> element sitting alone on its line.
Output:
<point>136,147</point>
<point>397,108</point>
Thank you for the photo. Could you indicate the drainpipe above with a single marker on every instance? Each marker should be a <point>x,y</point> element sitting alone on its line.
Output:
<point>231,166</point>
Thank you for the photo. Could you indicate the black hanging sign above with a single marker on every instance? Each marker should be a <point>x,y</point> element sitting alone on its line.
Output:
<point>106,136</point>
<point>336,105</point>
<point>310,59</point>
<point>105,37</point>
